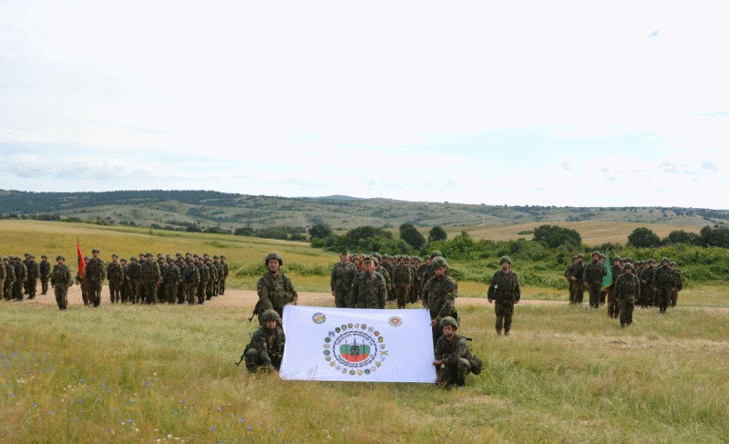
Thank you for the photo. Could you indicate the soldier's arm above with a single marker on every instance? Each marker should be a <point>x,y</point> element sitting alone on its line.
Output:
<point>449,300</point>
<point>517,289</point>
<point>263,295</point>
<point>459,352</point>
<point>293,295</point>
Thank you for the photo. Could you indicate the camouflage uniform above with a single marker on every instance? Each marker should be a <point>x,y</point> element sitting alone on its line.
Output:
<point>21,275</point>
<point>574,275</point>
<point>94,273</point>
<point>191,280</point>
<point>613,307</point>
<point>504,291</point>
<point>44,267</point>
<point>456,359</point>
<point>265,349</point>
<point>60,281</point>
<point>202,285</point>
<point>593,274</point>
<point>115,274</point>
<point>627,288</point>
<point>151,277</point>
<point>677,284</point>
<point>341,282</point>
<point>664,279</point>
<point>647,295</point>
<point>213,280</point>
<point>32,279</point>
<point>172,278</point>
<point>275,291</point>
<point>134,275</point>
<point>401,283</point>
<point>368,291</point>
<point>224,277</point>
<point>439,296</point>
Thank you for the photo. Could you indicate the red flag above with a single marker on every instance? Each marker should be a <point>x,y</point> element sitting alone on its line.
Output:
<point>81,260</point>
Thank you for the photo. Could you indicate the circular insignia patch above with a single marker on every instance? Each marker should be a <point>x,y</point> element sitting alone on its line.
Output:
<point>395,321</point>
<point>318,318</point>
<point>356,349</point>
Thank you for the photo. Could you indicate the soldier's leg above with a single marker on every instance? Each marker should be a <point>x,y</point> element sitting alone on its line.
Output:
<point>61,296</point>
<point>674,296</point>
<point>579,292</point>
<point>508,314</point>
<point>499,311</point>
<point>222,287</point>
<point>400,295</point>
<point>464,368</point>
<point>664,296</point>
<point>32,285</point>
<point>201,293</point>
<point>112,296</point>
<point>623,313</point>
<point>629,306</point>
<point>96,293</point>
<point>44,285</point>
<point>18,290</point>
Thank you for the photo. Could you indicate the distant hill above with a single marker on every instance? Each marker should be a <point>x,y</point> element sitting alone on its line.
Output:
<point>180,209</point>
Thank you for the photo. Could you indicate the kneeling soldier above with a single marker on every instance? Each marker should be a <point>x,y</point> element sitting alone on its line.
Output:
<point>267,344</point>
<point>453,353</point>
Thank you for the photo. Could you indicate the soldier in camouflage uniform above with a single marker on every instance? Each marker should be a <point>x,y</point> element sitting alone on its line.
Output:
<point>213,281</point>
<point>21,275</point>
<point>171,279</point>
<point>452,352</point>
<point>439,296</point>
<point>677,284</point>
<point>3,278</point>
<point>369,289</point>
<point>134,276</point>
<point>647,284</point>
<point>151,277</point>
<point>593,274</point>
<point>341,280</point>
<point>266,348</point>
<point>574,275</point>
<point>61,280</point>
<point>505,290</point>
<point>125,290</point>
<point>275,289</point>
<point>33,274</point>
<point>385,274</point>
<point>94,273</point>
<point>401,280</point>
<point>115,274</point>
<point>663,279</point>
<point>627,288</point>
<point>224,276</point>
<point>616,271</point>
<point>44,267</point>
<point>202,286</point>
<point>191,280</point>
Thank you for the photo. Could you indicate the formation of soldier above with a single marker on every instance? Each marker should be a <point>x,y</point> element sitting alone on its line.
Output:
<point>638,283</point>
<point>191,278</point>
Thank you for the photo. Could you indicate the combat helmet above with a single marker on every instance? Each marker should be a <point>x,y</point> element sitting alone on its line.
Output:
<point>448,320</point>
<point>270,315</point>
<point>439,262</point>
<point>59,257</point>
<point>504,259</point>
<point>273,256</point>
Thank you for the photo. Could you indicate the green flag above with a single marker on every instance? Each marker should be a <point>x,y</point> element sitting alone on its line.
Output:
<point>608,279</point>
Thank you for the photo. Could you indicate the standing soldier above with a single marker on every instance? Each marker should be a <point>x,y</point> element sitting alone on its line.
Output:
<point>275,290</point>
<point>574,275</point>
<point>677,284</point>
<point>21,276</point>
<point>134,275</point>
<point>44,267</point>
<point>115,273</point>
<point>224,266</point>
<point>94,273</point>
<point>402,281</point>
<point>616,271</point>
<point>125,290</point>
<point>341,280</point>
<point>439,296</point>
<point>204,277</point>
<point>212,281</point>
<point>9,278</point>
<point>593,274</point>
<point>647,284</point>
<point>3,278</point>
<point>368,288</point>
<point>182,265</point>
<point>383,271</point>
<point>83,282</point>
<point>663,278</point>
<point>151,277</point>
<point>191,280</point>
<point>33,274</point>
<point>61,280</point>
<point>627,288</point>
<point>172,279</point>
<point>505,290</point>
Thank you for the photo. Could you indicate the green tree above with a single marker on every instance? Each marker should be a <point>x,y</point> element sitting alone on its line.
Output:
<point>554,236</point>
<point>412,236</point>
<point>320,231</point>
<point>643,238</point>
<point>437,234</point>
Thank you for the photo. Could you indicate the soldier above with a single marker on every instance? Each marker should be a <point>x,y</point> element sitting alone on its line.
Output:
<point>94,273</point>
<point>191,280</point>
<point>202,285</point>
<point>60,281</point>
<point>224,276</point>
<point>505,290</point>
<point>383,271</point>
<point>647,284</point>
<point>44,268</point>
<point>3,278</point>
<point>266,348</point>
<point>115,273</point>
<point>627,288</point>
<point>151,277</point>
<point>369,289</point>
<point>401,281</point>
<point>218,274</point>
<point>275,290</point>
<point>212,281</point>
<point>172,278</point>
<point>663,279</point>
<point>574,275</point>
<point>83,282</point>
<point>125,286</point>
<point>133,275</point>
<point>21,276</point>
<point>341,280</point>
<point>677,284</point>
<point>616,271</point>
<point>439,296</point>
<point>9,279</point>
<point>33,274</point>
<point>141,296</point>
<point>452,352</point>
<point>592,275</point>
<point>182,265</point>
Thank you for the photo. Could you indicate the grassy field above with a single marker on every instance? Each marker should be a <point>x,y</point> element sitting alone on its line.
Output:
<point>121,374</point>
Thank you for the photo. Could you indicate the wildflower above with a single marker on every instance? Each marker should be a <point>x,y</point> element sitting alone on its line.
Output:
<point>212,428</point>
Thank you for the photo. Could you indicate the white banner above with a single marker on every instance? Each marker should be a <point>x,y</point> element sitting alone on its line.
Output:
<point>350,344</point>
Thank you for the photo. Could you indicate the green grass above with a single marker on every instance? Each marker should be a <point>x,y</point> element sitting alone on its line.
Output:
<point>567,374</point>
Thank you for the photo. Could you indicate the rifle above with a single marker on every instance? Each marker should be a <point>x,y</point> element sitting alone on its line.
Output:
<point>241,359</point>
<point>256,310</point>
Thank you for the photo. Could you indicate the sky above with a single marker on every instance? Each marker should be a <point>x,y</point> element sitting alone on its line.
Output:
<point>566,103</point>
